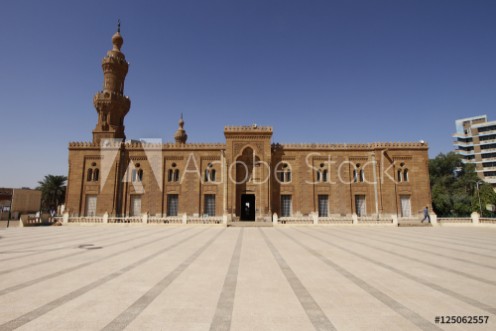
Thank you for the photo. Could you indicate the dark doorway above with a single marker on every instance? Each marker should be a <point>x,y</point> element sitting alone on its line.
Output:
<point>247,207</point>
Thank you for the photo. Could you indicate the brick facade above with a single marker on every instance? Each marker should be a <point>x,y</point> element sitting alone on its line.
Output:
<point>123,178</point>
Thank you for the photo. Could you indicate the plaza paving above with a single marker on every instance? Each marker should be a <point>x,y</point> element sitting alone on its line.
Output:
<point>211,278</point>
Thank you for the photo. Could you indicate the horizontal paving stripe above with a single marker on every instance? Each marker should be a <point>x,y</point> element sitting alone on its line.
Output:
<point>62,257</point>
<point>423,242</point>
<point>30,241</point>
<point>420,280</point>
<point>433,265</point>
<point>430,252</point>
<point>130,314</point>
<point>72,240</point>
<point>396,306</point>
<point>85,264</point>
<point>311,307</point>
<point>34,314</point>
<point>223,313</point>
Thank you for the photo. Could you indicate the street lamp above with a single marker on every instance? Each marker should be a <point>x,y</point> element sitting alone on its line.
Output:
<point>478,195</point>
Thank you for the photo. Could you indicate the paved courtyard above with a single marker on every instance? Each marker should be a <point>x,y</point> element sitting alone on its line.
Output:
<point>212,278</point>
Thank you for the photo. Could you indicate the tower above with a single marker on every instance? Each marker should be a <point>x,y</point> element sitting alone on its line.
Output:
<point>180,136</point>
<point>111,104</point>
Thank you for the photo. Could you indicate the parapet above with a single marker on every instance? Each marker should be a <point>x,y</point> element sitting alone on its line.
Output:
<point>366,146</point>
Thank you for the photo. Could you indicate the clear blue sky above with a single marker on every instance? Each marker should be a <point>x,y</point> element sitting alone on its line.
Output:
<point>317,71</point>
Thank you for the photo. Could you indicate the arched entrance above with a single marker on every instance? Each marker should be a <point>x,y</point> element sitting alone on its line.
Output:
<point>245,187</point>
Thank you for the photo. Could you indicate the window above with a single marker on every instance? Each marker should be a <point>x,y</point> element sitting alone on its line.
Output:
<point>135,205</point>
<point>210,173</point>
<point>322,174</point>
<point>323,205</point>
<point>406,209</point>
<point>90,205</point>
<point>96,174</point>
<point>402,173</point>
<point>137,175</point>
<point>358,174</point>
<point>360,205</point>
<point>285,205</point>
<point>89,175</point>
<point>172,204</point>
<point>209,205</point>
<point>173,174</point>
<point>284,173</point>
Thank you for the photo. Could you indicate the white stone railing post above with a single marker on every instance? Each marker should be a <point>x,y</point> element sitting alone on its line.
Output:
<point>105,218</point>
<point>185,218</point>
<point>275,219</point>
<point>434,221</point>
<point>315,218</point>
<point>224,219</point>
<point>395,219</point>
<point>355,218</point>
<point>475,218</point>
<point>65,218</point>
<point>144,218</point>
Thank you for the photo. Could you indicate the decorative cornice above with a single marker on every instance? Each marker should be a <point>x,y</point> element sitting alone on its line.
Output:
<point>368,146</point>
<point>248,129</point>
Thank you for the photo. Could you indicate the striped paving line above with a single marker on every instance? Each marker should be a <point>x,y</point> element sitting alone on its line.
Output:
<point>394,305</point>
<point>85,264</point>
<point>429,244</point>
<point>37,252</point>
<point>47,236</point>
<point>433,265</point>
<point>29,265</point>
<point>430,252</point>
<point>419,280</point>
<point>133,311</point>
<point>315,314</point>
<point>457,243</point>
<point>40,311</point>
<point>223,314</point>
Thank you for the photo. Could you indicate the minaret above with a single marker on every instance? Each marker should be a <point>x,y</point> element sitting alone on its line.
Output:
<point>180,136</point>
<point>111,104</point>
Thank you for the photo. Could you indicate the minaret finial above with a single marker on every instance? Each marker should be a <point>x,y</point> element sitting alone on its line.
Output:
<point>119,25</point>
<point>181,135</point>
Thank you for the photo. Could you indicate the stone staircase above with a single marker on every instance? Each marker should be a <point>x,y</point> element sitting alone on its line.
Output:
<point>412,222</point>
<point>248,224</point>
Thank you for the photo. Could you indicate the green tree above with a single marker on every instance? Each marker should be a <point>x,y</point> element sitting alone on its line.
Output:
<point>52,191</point>
<point>453,185</point>
<point>487,197</point>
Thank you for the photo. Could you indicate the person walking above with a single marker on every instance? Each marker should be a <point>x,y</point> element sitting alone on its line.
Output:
<point>426,215</point>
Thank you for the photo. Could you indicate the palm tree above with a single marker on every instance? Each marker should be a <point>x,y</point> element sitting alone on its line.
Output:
<point>52,191</point>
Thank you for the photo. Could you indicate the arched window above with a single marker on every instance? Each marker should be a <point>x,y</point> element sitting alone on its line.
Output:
<point>405,175</point>
<point>358,174</point>
<point>324,175</point>
<point>170,176</point>
<point>176,175</point>
<point>96,174</point>
<point>284,173</point>
<point>399,176</point>
<point>89,176</point>
<point>140,175</point>
<point>210,173</point>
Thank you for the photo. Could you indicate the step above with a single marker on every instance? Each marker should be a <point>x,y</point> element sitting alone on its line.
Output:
<point>413,223</point>
<point>249,224</point>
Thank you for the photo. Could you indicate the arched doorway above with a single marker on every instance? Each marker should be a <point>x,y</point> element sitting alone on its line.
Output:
<point>245,187</point>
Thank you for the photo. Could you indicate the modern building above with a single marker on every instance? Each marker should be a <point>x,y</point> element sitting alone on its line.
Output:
<point>18,201</point>
<point>246,177</point>
<point>475,141</point>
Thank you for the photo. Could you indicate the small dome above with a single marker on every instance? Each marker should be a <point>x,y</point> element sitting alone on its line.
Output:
<point>117,41</point>
<point>181,137</point>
